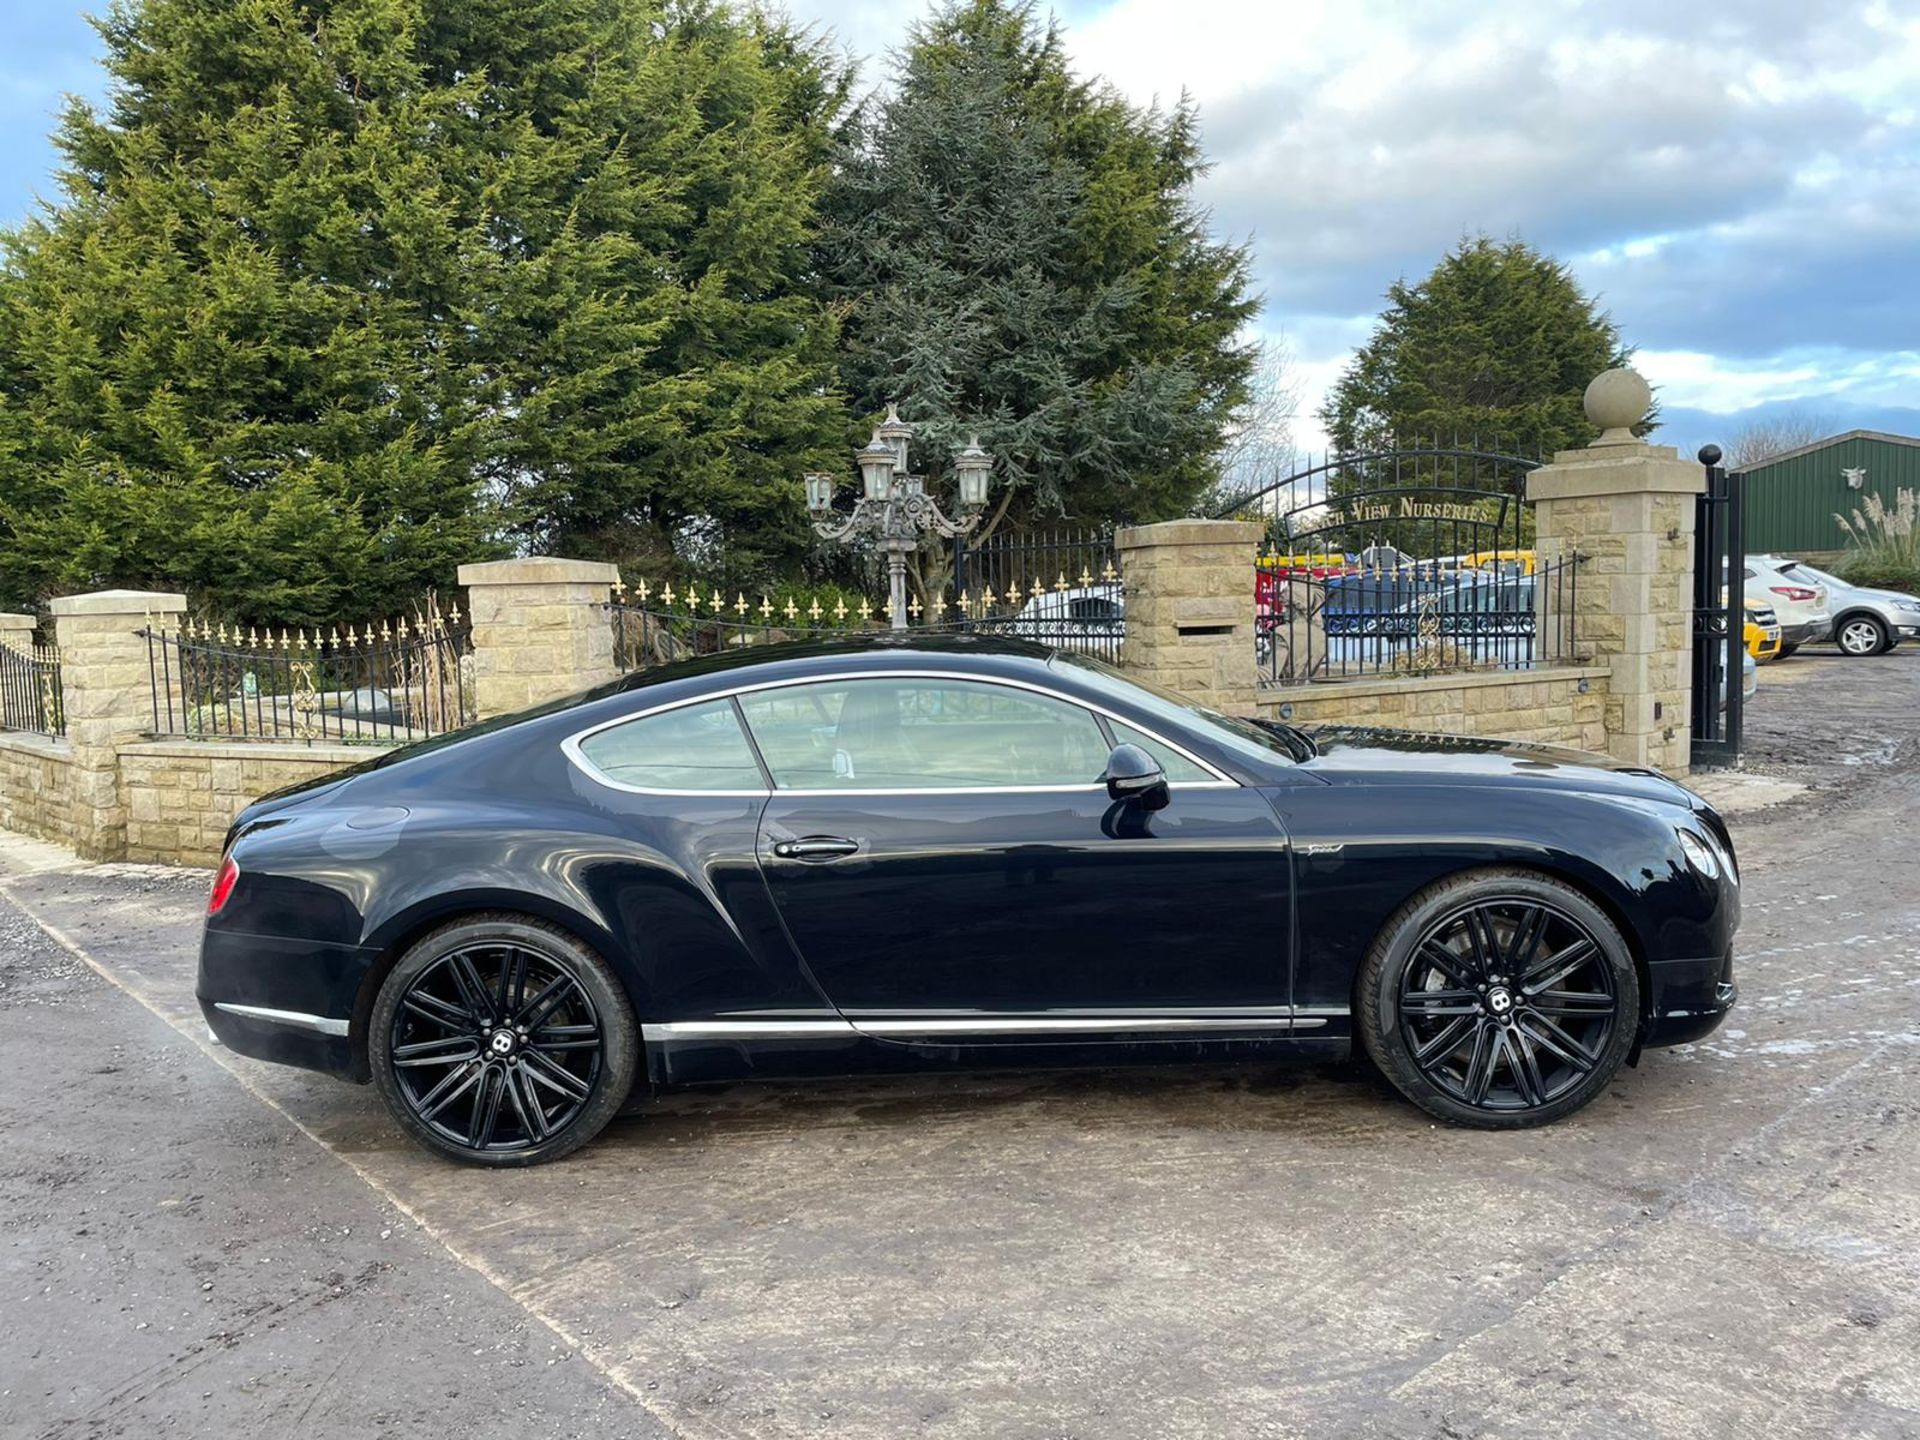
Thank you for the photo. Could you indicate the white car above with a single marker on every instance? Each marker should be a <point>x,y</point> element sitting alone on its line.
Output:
<point>1800,600</point>
<point>1865,621</point>
<point>1090,619</point>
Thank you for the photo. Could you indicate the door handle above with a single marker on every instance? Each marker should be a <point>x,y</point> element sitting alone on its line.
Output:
<point>817,847</point>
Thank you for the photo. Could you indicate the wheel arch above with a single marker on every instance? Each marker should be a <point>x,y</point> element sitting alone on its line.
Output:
<point>1589,880</point>
<point>1863,612</point>
<point>400,932</point>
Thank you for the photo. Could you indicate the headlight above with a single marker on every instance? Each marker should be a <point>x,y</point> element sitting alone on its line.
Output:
<point>1700,854</point>
<point>1908,604</point>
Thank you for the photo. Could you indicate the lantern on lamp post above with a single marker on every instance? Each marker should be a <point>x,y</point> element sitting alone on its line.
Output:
<point>894,509</point>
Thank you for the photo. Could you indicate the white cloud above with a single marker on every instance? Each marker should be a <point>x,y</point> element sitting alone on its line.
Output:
<point>1738,180</point>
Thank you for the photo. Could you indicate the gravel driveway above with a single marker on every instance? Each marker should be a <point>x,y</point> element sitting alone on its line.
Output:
<point>1726,1244</point>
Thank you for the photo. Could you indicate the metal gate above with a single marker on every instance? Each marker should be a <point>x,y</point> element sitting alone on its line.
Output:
<point>1719,614</point>
<point>1408,561</point>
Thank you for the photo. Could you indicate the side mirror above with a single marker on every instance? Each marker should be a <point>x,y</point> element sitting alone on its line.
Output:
<point>1133,774</point>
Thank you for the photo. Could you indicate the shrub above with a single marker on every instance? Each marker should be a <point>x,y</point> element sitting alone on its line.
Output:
<point>1883,542</point>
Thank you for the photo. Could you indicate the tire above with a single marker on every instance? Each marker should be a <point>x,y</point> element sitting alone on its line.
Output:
<point>1860,636</point>
<point>501,1040</point>
<point>1490,1053</point>
<point>1786,650</point>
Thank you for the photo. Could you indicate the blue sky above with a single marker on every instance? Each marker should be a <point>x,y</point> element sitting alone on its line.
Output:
<point>1737,180</point>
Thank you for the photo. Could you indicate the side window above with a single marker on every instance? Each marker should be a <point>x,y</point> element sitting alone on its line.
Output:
<point>1179,770</point>
<point>696,747</point>
<point>913,734</point>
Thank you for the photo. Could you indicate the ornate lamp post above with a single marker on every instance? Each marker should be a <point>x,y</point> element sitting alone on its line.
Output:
<point>894,508</point>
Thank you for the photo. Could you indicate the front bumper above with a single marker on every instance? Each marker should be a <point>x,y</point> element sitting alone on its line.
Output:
<point>1688,999</point>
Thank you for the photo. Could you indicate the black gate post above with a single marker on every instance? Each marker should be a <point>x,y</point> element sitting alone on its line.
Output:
<point>1719,619</point>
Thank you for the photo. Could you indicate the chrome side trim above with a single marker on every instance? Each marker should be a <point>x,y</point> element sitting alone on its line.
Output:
<point>1050,1025</point>
<point>570,746</point>
<point>746,1030</point>
<point>319,1024</point>
<point>897,1028</point>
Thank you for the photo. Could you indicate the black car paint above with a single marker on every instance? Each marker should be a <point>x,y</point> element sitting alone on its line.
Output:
<point>1263,894</point>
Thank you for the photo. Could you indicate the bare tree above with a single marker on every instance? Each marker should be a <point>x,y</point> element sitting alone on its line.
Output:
<point>1760,440</point>
<point>1258,448</point>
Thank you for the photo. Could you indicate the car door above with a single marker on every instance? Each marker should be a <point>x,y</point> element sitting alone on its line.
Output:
<point>948,864</point>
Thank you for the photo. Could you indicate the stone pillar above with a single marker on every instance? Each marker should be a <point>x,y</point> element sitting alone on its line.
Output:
<point>1190,609</point>
<point>540,630</point>
<point>107,683</point>
<point>16,631</point>
<point>1627,507</point>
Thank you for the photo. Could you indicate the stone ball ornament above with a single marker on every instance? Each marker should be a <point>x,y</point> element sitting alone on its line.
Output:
<point>1616,401</point>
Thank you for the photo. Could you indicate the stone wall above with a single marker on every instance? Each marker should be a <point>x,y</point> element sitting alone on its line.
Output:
<point>36,786</point>
<point>181,795</point>
<point>1560,706</point>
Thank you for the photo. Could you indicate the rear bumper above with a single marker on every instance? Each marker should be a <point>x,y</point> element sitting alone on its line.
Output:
<point>1806,634</point>
<point>1688,999</point>
<point>283,1000</point>
<point>282,1038</point>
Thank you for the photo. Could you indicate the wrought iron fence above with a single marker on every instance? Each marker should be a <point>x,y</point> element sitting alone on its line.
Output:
<point>403,681</point>
<point>30,693</point>
<point>1320,617</point>
<point>1082,612</point>
<point>1032,561</point>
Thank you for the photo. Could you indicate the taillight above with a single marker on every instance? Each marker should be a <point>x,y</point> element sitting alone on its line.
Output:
<point>1795,592</point>
<point>222,885</point>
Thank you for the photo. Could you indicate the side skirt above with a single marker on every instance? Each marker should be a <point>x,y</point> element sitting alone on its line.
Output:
<point>725,1049</point>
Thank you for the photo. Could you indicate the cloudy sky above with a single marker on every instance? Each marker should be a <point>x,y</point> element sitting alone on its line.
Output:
<point>1737,180</point>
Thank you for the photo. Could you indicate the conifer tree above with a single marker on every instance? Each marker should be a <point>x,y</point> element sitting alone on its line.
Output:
<point>1498,342</point>
<point>341,293</point>
<point>1020,253</point>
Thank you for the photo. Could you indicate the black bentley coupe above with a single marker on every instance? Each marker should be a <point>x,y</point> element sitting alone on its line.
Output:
<point>887,855</point>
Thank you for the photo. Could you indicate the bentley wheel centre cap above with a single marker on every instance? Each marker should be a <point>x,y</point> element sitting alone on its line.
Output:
<point>1500,1000</point>
<point>503,1043</point>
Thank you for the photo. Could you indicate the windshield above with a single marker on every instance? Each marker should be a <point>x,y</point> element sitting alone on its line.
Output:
<point>1246,737</point>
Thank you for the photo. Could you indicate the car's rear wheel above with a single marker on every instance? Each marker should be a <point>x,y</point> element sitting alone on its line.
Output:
<point>501,1040</point>
<point>1499,999</point>
<point>1786,650</point>
<point>1862,635</point>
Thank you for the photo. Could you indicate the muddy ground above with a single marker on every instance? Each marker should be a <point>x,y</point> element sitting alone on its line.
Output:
<point>1726,1244</point>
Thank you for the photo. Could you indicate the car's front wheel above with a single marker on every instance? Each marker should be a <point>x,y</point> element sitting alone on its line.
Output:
<point>501,1040</point>
<point>1499,999</point>
<point>1862,635</point>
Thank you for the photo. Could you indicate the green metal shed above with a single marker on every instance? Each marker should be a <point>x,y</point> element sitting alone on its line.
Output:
<point>1791,499</point>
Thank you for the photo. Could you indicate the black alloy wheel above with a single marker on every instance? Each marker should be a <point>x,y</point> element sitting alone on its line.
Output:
<point>502,1041</point>
<point>1862,635</point>
<point>1500,1000</point>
